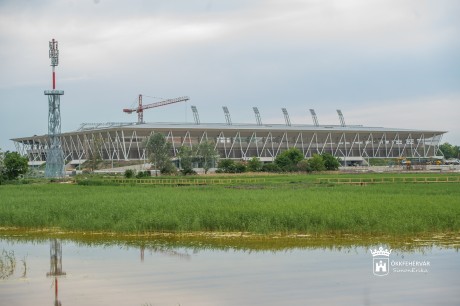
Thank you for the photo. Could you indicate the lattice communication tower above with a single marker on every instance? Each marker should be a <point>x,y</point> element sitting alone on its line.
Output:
<point>55,155</point>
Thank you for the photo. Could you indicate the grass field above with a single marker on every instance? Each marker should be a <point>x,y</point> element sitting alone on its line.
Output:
<point>289,206</point>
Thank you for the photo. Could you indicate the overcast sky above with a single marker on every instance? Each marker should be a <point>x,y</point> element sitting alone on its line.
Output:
<point>383,63</point>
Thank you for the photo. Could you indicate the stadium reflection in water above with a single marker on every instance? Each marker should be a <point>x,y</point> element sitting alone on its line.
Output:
<point>159,273</point>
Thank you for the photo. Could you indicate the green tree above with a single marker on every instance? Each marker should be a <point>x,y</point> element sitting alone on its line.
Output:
<point>254,165</point>
<point>94,155</point>
<point>14,165</point>
<point>207,155</point>
<point>288,160</point>
<point>186,160</point>
<point>159,150</point>
<point>330,162</point>
<point>449,151</point>
<point>168,168</point>
<point>317,163</point>
<point>2,166</point>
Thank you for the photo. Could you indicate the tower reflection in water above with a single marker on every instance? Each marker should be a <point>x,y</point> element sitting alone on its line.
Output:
<point>56,267</point>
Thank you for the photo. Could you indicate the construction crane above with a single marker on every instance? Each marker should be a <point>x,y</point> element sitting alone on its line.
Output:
<point>140,108</point>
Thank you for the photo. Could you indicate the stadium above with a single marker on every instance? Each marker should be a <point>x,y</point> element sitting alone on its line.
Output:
<point>353,144</point>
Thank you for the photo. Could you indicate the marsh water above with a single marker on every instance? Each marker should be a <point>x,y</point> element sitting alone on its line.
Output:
<point>55,271</point>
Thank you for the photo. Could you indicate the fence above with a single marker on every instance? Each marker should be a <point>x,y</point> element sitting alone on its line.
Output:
<point>390,180</point>
<point>178,182</point>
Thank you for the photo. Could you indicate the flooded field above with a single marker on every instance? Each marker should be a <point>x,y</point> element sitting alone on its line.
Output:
<point>150,271</point>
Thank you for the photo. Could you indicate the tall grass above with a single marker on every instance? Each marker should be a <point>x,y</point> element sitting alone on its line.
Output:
<point>374,209</point>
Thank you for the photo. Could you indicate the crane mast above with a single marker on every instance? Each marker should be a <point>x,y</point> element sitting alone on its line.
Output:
<point>140,108</point>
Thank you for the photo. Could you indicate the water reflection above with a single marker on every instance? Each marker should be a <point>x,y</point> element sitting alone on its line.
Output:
<point>8,265</point>
<point>56,267</point>
<point>217,271</point>
<point>165,250</point>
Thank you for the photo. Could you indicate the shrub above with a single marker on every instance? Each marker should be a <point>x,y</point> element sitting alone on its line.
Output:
<point>129,173</point>
<point>230,166</point>
<point>142,174</point>
<point>240,167</point>
<point>317,163</point>
<point>188,172</point>
<point>226,166</point>
<point>271,167</point>
<point>288,160</point>
<point>254,164</point>
<point>304,166</point>
<point>168,168</point>
<point>330,162</point>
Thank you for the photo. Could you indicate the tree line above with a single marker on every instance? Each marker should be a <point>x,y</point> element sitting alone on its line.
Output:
<point>158,150</point>
<point>449,151</point>
<point>291,160</point>
<point>205,156</point>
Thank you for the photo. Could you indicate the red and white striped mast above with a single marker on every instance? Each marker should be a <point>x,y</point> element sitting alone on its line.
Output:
<point>54,56</point>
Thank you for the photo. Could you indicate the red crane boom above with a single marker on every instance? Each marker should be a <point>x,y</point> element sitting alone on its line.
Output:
<point>140,108</point>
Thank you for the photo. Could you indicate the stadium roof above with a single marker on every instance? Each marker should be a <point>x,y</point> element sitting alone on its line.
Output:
<point>91,127</point>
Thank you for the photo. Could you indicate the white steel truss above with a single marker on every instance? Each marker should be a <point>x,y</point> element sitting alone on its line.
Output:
<point>129,143</point>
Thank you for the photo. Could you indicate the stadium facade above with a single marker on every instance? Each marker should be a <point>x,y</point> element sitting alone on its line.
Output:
<point>125,141</point>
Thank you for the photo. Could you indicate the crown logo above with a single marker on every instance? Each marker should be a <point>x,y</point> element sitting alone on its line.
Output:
<point>380,252</point>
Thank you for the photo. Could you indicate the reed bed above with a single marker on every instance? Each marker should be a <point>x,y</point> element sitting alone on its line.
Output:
<point>288,208</point>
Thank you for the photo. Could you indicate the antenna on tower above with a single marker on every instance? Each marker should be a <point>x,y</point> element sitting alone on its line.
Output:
<point>55,155</point>
<point>227,115</point>
<point>286,117</point>
<point>54,56</point>
<point>341,118</point>
<point>313,115</point>
<point>256,112</point>
<point>196,117</point>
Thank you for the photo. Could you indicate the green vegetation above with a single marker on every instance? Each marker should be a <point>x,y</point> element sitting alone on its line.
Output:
<point>287,161</point>
<point>2,166</point>
<point>158,149</point>
<point>206,155</point>
<point>231,166</point>
<point>282,204</point>
<point>450,151</point>
<point>254,165</point>
<point>129,173</point>
<point>94,154</point>
<point>316,163</point>
<point>12,165</point>
<point>186,160</point>
<point>331,163</point>
<point>291,160</point>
